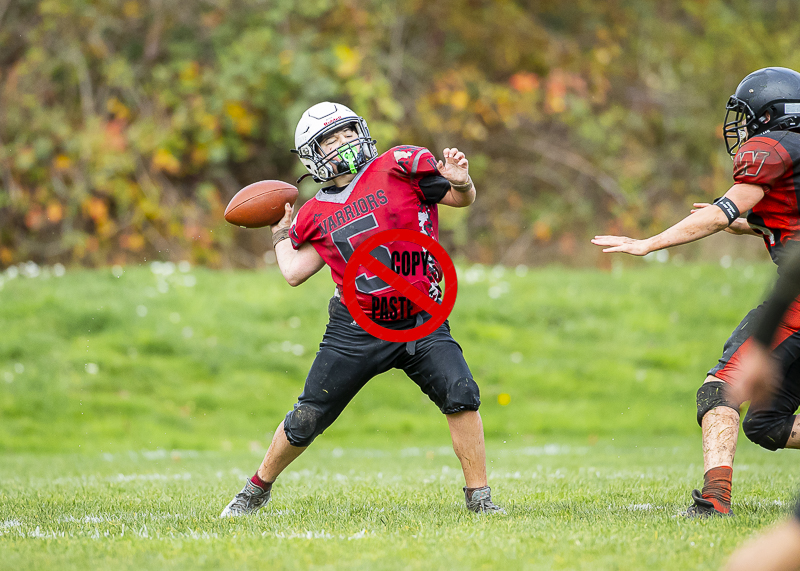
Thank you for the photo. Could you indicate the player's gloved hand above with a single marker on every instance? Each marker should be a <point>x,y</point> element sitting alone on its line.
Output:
<point>455,167</point>
<point>284,222</point>
<point>622,244</point>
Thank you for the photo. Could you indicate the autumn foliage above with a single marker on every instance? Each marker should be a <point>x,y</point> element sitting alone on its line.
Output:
<point>127,125</point>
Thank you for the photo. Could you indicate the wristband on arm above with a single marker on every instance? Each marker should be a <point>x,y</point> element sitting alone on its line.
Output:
<point>727,206</point>
<point>463,187</point>
<point>279,235</point>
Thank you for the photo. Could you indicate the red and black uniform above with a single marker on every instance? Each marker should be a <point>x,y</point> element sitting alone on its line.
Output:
<point>771,161</point>
<point>399,189</point>
<point>389,193</point>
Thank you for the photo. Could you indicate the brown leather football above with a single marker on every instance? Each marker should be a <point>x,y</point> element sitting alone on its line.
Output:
<point>260,204</point>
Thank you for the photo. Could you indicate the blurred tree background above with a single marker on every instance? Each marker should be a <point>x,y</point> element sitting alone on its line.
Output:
<point>127,125</point>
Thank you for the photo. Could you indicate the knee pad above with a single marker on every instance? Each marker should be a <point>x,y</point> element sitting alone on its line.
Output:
<point>462,395</point>
<point>768,430</point>
<point>302,425</point>
<point>711,395</point>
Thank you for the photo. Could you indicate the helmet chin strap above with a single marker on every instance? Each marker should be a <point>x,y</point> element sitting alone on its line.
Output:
<point>302,178</point>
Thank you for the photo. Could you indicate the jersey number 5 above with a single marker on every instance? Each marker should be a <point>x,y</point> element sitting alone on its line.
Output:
<point>342,236</point>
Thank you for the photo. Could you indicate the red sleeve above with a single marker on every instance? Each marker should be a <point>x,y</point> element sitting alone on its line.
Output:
<point>414,163</point>
<point>761,161</point>
<point>297,232</point>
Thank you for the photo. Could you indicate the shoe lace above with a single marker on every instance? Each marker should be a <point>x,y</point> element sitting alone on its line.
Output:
<point>488,505</point>
<point>242,500</point>
<point>248,498</point>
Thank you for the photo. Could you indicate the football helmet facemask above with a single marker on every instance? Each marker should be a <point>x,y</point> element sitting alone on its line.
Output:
<point>321,120</point>
<point>771,90</point>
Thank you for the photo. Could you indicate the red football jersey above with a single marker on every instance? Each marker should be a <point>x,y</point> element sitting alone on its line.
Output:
<point>772,160</point>
<point>384,195</point>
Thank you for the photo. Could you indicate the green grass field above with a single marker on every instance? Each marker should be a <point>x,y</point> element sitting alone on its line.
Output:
<point>132,408</point>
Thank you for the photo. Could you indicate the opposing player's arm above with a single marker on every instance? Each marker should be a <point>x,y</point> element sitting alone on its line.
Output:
<point>740,227</point>
<point>455,168</point>
<point>295,265</point>
<point>699,224</point>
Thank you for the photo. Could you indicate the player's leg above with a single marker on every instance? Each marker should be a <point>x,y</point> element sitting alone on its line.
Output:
<point>466,431</point>
<point>439,369</point>
<point>280,454</point>
<point>794,436</point>
<point>258,489</point>
<point>347,359</point>
<point>720,435</point>
<point>773,425</point>
<point>720,424</point>
<point>719,418</point>
<point>335,378</point>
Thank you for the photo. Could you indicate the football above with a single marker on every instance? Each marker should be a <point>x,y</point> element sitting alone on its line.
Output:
<point>260,204</point>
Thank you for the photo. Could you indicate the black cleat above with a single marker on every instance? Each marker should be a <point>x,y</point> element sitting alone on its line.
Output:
<point>703,507</point>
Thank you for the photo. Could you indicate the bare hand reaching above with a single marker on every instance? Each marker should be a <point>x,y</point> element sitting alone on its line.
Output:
<point>622,244</point>
<point>455,167</point>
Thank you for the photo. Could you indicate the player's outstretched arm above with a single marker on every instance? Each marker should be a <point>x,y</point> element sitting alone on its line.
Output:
<point>740,227</point>
<point>455,169</point>
<point>295,265</point>
<point>699,224</point>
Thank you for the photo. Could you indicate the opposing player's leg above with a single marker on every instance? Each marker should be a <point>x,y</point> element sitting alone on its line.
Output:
<point>773,425</point>
<point>719,418</point>
<point>770,425</point>
<point>348,358</point>
<point>439,369</point>
<point>794,436</point>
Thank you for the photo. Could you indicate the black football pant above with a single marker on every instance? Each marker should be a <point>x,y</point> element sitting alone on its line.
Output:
<point>349,357</point>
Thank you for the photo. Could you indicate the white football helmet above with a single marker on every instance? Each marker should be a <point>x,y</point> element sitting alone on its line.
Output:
<point>320,120</point>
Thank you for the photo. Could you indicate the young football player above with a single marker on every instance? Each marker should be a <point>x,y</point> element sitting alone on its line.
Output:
<point>370,193</point>
<point>761,135</point>
<point>778,549</point>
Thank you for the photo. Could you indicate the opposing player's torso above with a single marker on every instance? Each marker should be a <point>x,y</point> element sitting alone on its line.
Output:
<point>772,161</point>
<point>385,195</point>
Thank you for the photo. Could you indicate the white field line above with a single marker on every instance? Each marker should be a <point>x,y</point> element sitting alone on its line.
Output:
<point>143,533</point>
<point>338,452</point>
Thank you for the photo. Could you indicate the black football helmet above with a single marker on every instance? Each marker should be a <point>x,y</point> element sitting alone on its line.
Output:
<point>773,90</point>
